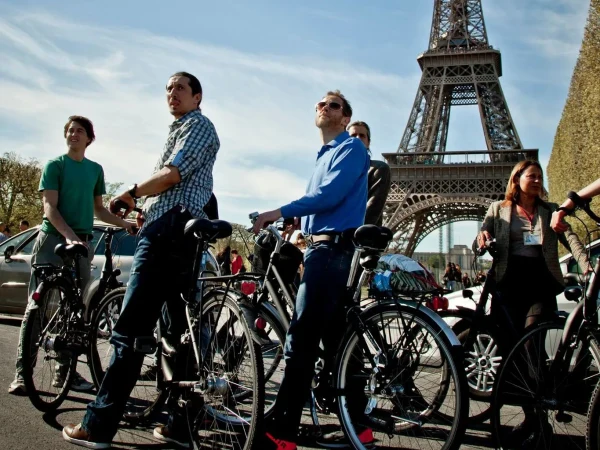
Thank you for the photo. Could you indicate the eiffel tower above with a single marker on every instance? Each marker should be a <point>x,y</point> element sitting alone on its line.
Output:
<point>432,187</point>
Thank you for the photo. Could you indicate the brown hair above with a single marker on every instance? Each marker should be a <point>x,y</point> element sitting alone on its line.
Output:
<point>346,108</point>
<point>87,125</point>
<point>359,123</point>
<point>512,188</point>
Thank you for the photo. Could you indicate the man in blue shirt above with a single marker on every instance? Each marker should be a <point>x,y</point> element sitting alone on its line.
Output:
<point>332,208</point>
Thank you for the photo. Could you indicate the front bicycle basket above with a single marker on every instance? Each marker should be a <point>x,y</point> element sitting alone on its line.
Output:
<point>289,261</point>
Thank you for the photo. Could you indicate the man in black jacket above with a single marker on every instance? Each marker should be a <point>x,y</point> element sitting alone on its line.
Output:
<point>379,177</point>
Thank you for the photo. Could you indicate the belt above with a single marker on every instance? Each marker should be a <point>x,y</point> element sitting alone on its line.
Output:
<point>344,237</point>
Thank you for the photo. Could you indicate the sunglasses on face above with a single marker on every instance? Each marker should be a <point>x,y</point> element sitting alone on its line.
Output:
<point>334,106</point>
<point>360,135</point>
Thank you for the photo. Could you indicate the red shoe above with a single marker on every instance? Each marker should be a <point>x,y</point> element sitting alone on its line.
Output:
<point>337,439</point>
<point>280,444</point>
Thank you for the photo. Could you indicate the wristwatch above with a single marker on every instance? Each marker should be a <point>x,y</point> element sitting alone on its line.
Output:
<point>131,191</point>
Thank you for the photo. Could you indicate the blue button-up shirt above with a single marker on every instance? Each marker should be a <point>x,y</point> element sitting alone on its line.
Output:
<point>336,196</point>
<point>192,147</point>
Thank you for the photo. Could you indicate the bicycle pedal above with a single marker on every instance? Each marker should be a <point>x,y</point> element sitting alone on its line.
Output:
<point>563,417</point>
<point>144,344</point>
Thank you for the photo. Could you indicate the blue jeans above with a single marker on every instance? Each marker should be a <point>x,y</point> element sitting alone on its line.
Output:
<point>319,314</point>
<point>161,269</point>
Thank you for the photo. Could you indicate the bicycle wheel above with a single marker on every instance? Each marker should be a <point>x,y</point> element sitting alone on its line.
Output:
<point>272,355</point>
<point>230,410</point>
<point>593,422</point>
<point>48,372</point>
<point>538,404</point>
<point>417,398</point>
<point>146,396</point>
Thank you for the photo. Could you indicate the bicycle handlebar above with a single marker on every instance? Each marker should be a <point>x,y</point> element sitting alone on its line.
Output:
<point>120,205</point>
<point>490,247</point>
<point>583,204</point>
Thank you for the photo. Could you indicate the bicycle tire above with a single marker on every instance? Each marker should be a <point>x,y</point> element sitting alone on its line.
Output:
<point>272,355</point>
<point>557,403</point>
<point>592,434</point>
<point>42,382</point>
<point>147,395</point>
<point>216,416</point>
<point>421,424</point>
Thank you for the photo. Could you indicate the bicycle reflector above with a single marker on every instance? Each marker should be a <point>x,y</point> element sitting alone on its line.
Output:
<point>248,287</point>
<point>36,296</point>
<point>260,323</point>
<point>438,303</point>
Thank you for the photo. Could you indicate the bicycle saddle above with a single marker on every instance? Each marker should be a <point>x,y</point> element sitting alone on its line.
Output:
<point>208,229</point>
<point>372,236</point>
<point>71,250</point>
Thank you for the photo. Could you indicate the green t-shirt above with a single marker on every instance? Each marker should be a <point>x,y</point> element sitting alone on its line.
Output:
<point>77,183</point>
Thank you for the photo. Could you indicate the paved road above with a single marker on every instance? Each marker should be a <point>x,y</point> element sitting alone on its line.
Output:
<point>23,427</point>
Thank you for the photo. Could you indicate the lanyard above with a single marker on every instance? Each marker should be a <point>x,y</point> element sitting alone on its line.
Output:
<point>528,216</point>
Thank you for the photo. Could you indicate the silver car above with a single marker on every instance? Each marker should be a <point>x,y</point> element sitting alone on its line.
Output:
<point>16,272</point>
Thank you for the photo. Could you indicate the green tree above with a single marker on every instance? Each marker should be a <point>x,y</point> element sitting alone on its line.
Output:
<point>19,196</point>
<point>574,160</point>
<point>112,189</point>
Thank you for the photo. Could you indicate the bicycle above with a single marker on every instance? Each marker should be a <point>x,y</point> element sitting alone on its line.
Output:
<point>222,395</point>
<point>59,326</point>
<point>542,395</point>
<point>398,366</point>
<point>487,339</point>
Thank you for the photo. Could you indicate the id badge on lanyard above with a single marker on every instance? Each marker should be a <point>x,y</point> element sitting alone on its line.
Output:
<point>532,238</point>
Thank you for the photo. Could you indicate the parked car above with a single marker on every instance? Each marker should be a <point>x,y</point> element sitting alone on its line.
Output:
<point>15,273</point>
<point>568,265</point>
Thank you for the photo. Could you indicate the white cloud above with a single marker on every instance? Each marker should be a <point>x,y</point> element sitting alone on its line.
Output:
<point>262,105</point>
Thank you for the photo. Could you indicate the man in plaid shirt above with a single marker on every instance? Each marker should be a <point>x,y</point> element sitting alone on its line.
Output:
<point>177,192</point>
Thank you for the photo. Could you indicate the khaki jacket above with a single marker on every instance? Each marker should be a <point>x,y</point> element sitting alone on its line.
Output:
<point>497,223</point>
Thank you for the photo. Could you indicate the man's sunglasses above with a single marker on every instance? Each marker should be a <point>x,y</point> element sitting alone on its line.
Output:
<point>334,106</point>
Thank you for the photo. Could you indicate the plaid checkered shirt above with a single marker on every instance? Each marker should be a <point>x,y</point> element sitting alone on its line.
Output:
<point>192,147</point>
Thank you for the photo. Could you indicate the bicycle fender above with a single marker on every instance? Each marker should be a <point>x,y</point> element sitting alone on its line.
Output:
<point>250,313</point>
<point>32,303</point>
<point>431,315</point>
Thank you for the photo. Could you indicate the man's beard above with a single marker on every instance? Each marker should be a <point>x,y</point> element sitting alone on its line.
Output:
<point>323,122</point>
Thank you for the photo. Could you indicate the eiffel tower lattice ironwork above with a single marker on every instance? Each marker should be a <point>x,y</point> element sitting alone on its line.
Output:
<point>432,187</point>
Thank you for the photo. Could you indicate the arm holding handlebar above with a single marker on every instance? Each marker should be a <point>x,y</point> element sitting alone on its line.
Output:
<point>574,200</point>
<point>105,216</point>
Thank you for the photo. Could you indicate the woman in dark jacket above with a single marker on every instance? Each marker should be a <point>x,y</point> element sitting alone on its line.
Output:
<point>527,269</point>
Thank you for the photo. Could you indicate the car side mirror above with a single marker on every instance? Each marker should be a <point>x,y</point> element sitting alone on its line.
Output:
<point>467,293</point>
<point>8,253</point>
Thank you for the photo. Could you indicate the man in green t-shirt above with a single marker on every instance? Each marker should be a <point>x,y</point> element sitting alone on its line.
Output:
<point>72,187</point>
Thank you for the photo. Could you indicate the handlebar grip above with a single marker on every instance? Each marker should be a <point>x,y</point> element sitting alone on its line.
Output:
<point>579,202</point>
<point>583,204</point>
<point>120,205</point>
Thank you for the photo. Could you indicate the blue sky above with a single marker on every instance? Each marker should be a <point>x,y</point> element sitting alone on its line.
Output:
<point>263,65</point>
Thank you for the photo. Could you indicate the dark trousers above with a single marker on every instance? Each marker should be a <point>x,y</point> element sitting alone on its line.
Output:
<point>161,268</point>
<point>527,295</point>
<point>318,315</point>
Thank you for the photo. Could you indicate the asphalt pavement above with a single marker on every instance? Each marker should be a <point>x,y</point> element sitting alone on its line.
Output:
<point>24,427</point>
